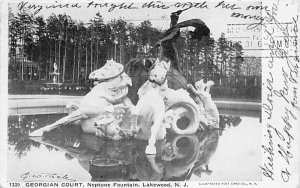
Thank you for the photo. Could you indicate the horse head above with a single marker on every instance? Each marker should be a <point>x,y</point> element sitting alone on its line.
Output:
<point>158,71</point>
<point>111,81</point>
<point>112,72</point>
<point>138,70</point>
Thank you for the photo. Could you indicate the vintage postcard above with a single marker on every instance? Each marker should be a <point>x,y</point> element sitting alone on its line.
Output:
<point>103,93</point>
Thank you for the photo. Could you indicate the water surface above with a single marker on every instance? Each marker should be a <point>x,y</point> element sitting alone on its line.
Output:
<point>66,154</point>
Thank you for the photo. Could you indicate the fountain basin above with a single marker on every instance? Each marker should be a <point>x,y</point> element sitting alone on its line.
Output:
<point>49,104</point>
<point>82,156</point>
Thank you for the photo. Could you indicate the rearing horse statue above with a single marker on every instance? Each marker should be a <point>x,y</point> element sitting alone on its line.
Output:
<point>188,118</point>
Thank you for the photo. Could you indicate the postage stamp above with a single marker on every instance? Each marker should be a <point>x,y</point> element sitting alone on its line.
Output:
<point>149,93</point>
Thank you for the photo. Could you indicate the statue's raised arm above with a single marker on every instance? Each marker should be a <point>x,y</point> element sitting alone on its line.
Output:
<point>168,49</point>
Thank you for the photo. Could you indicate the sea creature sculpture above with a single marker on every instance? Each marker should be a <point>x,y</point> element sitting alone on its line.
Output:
<point>205,104</point>
<point>111,88</point>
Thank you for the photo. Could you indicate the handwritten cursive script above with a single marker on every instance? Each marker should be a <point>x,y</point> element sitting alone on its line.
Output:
<point>282,96</point>
<point>27,177</point>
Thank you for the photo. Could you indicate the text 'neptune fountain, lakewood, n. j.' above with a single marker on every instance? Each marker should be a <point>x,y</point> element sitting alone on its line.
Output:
<point>109,109</point>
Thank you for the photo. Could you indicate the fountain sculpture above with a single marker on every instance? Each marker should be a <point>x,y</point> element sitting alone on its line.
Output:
<point>55,75</point>
<point>107,111</point>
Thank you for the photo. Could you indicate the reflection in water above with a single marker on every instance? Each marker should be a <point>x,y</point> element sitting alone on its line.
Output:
<point>207,149</point>
<point>228,121</point>
<point>19,128</point>
<point>178,156</point>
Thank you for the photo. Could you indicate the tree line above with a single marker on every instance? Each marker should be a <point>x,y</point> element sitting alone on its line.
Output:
<point>78,48</point>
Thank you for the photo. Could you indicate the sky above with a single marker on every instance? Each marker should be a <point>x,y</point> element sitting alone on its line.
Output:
<point>218,19</point>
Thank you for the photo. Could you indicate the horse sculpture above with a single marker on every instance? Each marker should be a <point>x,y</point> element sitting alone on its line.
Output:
<point>177,97</point>
<point>98,105</point>
<point>151,105</point>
